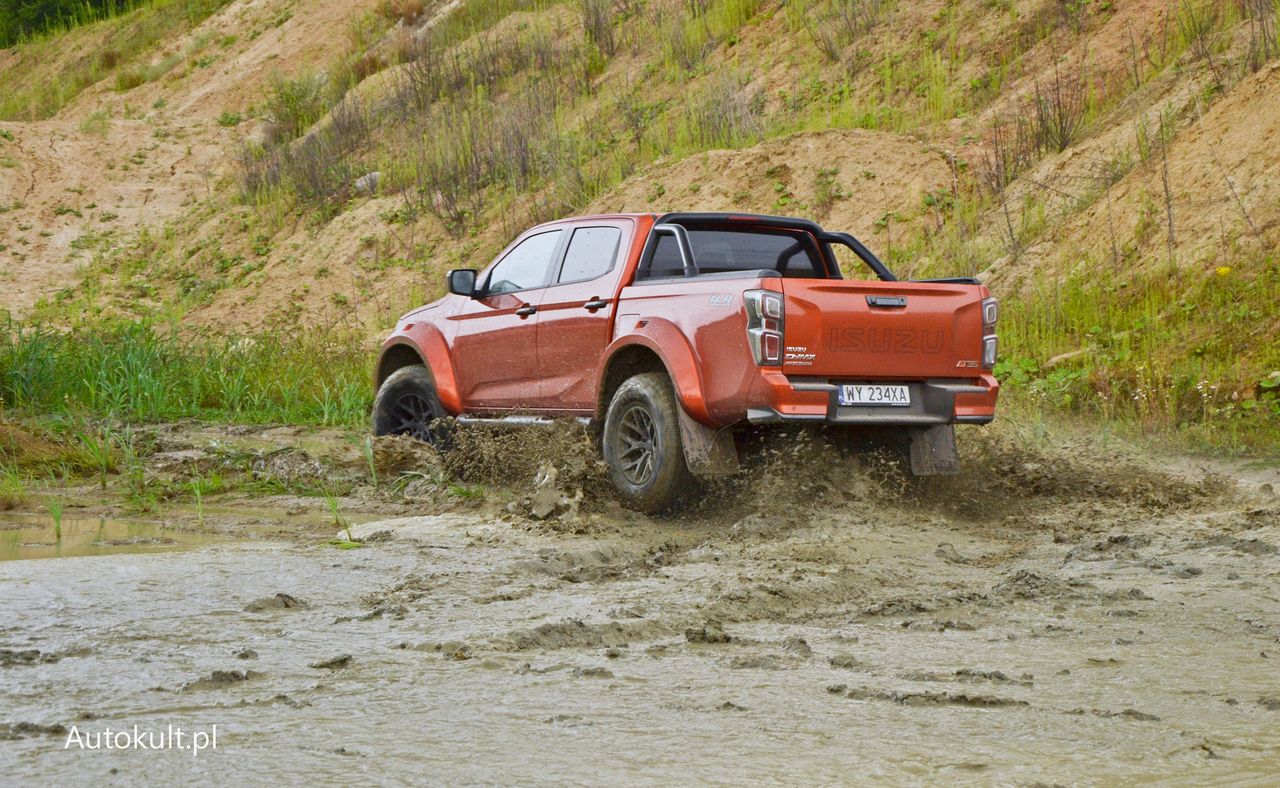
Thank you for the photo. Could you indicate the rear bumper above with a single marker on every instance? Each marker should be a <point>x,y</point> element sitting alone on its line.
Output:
<point>777,398</point>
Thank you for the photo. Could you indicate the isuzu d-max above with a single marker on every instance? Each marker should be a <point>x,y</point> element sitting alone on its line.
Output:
<point>671,333</point>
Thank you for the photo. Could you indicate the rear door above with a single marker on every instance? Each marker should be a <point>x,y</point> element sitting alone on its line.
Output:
<point>495,352</point>
<point>881,330</point>
<point>575,314</point>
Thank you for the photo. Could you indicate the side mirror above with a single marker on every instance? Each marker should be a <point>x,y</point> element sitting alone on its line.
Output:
<point>462,281</point>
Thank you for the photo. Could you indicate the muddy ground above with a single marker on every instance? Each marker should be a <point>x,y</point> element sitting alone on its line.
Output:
<point>1063,611</point>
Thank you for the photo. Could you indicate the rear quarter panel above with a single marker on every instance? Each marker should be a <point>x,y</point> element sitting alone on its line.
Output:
<point>699,330</point>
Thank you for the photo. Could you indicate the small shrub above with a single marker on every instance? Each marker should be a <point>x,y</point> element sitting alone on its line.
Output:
<point>597,20</point>
<point>402,10</point>
<point>295,104</point>
<point>1060,106</point>
<point>726,114</point>
<point>95,123</point>
<point>229,119</point>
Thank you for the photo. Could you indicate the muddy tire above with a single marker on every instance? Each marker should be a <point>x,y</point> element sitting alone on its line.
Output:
<point>642,444</point>
<point>407,404</point>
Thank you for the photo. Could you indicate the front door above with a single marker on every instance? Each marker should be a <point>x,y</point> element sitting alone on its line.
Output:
<point>495,352</point>
<point>575,315</point>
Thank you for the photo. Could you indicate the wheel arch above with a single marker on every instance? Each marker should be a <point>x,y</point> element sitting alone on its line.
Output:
<point>425,347</point>
<point>635,354</point>
<point>395,357</point>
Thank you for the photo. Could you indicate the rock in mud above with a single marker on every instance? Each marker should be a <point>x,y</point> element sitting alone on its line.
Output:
<point>280,601</point>
<point>593,673</point>
<point>729,705</point>
<point>1270,702</point>
<point>333,663</point>
<point>246,653</point>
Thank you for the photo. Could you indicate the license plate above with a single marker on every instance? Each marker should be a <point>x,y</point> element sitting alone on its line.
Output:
<point>874,394</point>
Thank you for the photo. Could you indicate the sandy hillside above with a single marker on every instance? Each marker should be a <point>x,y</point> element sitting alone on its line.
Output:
<point>111,163</point>
<point>84,183</point>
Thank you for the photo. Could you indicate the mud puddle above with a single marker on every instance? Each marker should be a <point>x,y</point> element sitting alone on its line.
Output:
<point>24,536</point>
<point>1099,621</point>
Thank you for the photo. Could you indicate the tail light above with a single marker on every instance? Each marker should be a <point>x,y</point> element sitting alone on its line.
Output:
<point>990,312</point>
<point>764,326</point>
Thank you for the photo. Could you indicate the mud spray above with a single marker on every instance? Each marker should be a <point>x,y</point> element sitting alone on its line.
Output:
<point>1057,612</point>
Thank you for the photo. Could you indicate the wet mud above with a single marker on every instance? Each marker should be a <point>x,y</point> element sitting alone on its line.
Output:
<point>1059,612</point>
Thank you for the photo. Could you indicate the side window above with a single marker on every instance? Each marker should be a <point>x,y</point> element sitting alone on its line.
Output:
<point>591,253</point>
<point>524,266</point>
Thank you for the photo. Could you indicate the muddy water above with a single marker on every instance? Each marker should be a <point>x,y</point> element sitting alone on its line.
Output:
<point>38,536</point>
<point>1102,624</point>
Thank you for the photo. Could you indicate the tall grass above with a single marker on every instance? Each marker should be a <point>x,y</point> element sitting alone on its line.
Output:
<point>135,372</point>
<point>47,71</point>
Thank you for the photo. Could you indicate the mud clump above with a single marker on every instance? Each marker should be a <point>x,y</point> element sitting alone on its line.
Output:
<point>30,656</point>
<point>397,454</point>
<point>280,601</point>
<point>333,663</point>
<point>709,632</point>
<point>845,662</point>
<point>220,679</point>
<point>1124,714</point>
<point>905,698</point>
<point>12,731</point>
<point>756,662</point>
<point>573,633</point>
<point>494,455</point>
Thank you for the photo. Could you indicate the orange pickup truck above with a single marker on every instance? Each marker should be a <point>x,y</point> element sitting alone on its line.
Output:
<point>672,333</point>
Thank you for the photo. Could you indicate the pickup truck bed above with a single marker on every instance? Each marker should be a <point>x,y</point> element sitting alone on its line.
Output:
<point>735,319</point>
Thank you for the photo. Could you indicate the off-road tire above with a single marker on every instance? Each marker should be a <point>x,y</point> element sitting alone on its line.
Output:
<point>407,404</point>
<point>642,445</point>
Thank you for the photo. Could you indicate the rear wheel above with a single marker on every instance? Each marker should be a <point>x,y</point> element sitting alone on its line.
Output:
<point>642,444</point>
<point>407,404</point>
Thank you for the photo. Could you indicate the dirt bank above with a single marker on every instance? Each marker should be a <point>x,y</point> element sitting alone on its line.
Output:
<point>1060,612</point>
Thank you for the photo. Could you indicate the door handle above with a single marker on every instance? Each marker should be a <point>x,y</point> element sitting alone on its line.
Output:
<point>526,310</point>
<point>886,302</point>
<point>596,303</point>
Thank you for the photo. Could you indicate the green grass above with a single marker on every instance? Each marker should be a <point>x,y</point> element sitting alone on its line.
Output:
<point>137,372</point>
<point>13,488</point>
<point>1189,351</point>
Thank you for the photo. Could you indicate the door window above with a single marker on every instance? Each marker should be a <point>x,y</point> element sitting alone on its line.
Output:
<point>591,253</point>
<point>525,266</point>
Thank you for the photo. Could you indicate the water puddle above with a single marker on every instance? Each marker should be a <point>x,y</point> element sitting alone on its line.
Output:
<point>25,537</point>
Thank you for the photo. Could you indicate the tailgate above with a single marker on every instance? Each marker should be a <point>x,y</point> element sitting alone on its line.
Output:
<point>871,329</point>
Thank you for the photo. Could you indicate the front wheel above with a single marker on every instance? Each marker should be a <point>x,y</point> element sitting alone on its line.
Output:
<point>642,444</point>
<point>407,404</point>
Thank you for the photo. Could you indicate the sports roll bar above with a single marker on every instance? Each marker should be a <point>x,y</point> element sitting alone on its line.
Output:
<point>682,241</point>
